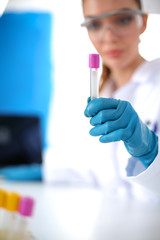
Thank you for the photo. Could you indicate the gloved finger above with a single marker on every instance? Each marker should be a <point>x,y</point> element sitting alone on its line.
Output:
<point>109,114</point>
<point>102,117</point>
<point>112,137</point>
<point>124,122</point>
<point>107,128</point>
<point>119,134</point>
<point>98,104</point>
<point>99,130</point>
<point>88,99</point>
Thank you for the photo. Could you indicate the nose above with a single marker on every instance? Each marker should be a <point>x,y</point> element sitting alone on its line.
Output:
<point>109,34</point>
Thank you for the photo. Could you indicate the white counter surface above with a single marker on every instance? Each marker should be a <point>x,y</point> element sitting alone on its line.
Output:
<point>79,213</point>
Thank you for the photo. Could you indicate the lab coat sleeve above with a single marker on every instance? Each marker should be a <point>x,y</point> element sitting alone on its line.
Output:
<point>150,178</point>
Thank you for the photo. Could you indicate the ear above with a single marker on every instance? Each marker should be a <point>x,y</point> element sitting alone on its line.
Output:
<point>144,26</point>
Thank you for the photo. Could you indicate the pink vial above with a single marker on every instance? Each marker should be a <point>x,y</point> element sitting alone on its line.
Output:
<point>25,213</point>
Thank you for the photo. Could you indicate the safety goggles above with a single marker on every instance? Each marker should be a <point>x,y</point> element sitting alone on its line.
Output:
<point>121,23</point>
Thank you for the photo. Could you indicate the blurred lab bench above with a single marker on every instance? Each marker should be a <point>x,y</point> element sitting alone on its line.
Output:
<point>64,212</point>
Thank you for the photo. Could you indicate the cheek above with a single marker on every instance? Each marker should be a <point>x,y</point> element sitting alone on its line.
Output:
<point>132,42</point>
<point>97,45</point>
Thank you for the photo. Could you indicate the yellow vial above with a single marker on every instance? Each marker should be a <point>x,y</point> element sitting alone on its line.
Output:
<point>12,201</point>
<point>3,196</point>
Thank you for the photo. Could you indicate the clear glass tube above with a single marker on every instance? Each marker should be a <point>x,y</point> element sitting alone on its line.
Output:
<point>21,228</point>
<point>94,83</point>
<point>2,225</point>
<point>8,225</point>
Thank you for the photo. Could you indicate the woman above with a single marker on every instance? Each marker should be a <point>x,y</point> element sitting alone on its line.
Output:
<point>129,89</point>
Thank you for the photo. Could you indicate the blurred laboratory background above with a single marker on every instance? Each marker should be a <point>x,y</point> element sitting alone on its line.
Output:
<point>44,78</point>
<point>46,151</point>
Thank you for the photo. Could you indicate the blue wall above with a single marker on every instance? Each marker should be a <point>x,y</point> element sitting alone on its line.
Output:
<point>25,65</point>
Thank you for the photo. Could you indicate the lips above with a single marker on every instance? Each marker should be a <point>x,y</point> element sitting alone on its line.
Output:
<point>114,53</point>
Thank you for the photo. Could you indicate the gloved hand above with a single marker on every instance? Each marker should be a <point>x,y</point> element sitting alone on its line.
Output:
<point>32,172</point>
<point>116,120</point>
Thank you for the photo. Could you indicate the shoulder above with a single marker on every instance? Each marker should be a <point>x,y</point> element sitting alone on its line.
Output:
<point>153,69</point>
<point>153,65</point>
<point>150,66</point>
<point>148,71</point>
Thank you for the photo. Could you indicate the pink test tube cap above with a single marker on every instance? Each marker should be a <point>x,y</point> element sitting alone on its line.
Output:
<point>94,60</point>
<point>26,206</point>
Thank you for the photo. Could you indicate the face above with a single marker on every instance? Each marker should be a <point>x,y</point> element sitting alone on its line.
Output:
<point>118,47</point>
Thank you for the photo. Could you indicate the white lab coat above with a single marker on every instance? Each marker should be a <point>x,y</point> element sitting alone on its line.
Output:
<point>143,92</point>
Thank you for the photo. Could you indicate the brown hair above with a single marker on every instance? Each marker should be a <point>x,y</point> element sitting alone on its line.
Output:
<point>106,70</point>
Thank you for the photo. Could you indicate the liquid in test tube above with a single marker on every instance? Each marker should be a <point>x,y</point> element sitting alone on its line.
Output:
<point>94,64</point>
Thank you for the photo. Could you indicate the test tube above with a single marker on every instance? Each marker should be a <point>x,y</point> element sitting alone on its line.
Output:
<point>25,212</point>
<point>3,195</point>
<point>94,63</point>
<point>10,217</point>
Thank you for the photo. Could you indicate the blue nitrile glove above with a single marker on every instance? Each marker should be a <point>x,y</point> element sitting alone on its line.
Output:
<point>116,120</point>
<point>31,172</point>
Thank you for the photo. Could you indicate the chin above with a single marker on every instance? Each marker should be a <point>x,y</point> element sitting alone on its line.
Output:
<point>114,63</point>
